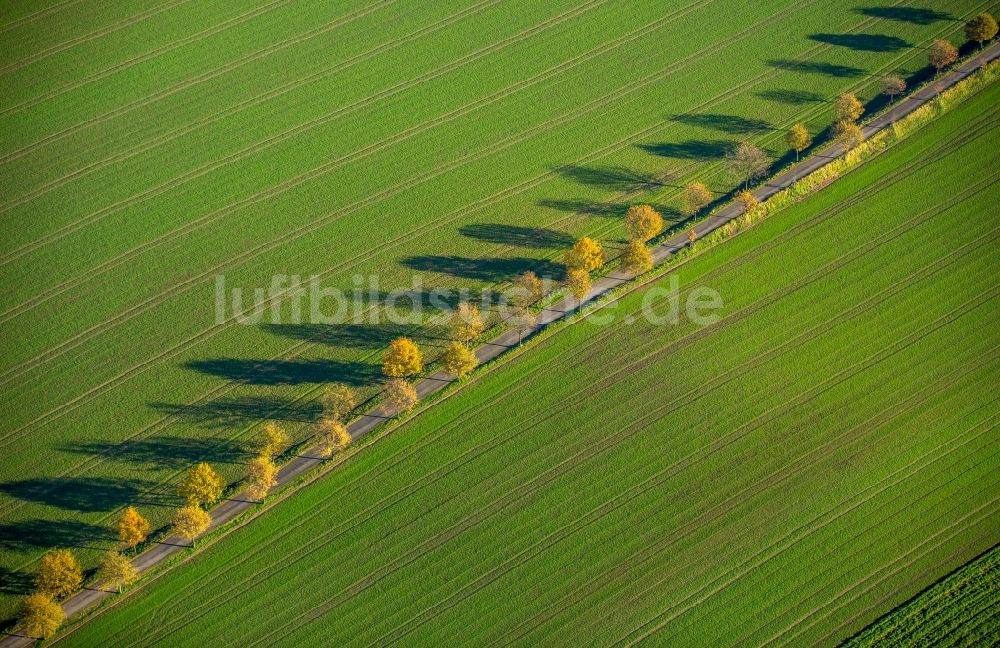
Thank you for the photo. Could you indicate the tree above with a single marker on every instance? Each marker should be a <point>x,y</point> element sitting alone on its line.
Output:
<point>39,616</point>
<point>458,359</point>
<point>847,108</point>
<point>637,258</point>
<point>695,196</point>
<point>642,222</point>
<point>132,528</point>
<point>261,475</point>
<point>272,440</point>
<point>692,236</point>
<point>981,28</point>
<point>338,401</point>
<point>749,201</point>
<point>332,436</point>
<point>747,162</point>
<point>942,54</point>
<point>401,395</point>
<point>798,139</point>
<point>579,283</point>
<point>893,85</point>
<point>466,323</point>
<point>58,573</point>
<point>527,290</point>
<point>848,134</point>
<point>522,320</point>
<point>190,522</point>
<point>116,571</point>
<point>586,254</point>
<point>403,358</point>
<point>201,486</point>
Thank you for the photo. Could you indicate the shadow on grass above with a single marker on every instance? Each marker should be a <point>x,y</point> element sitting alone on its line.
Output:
<point>165,451</point>
<point>15,583</point>
<point>792,97</point>
<point>40,534</point>
<point>731,124</point>
<point>484,269</point>
<point>814,67</point>
<point>700,150</point>
<point>614,178</point>
<point>863,42</point>
<point>285,372</point>
<point>527,237</point>
<point>85,495</point>
<point>915,15</point>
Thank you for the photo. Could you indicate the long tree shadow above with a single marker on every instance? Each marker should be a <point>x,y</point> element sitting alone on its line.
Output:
<point>367,336</point>
<point>863,42</point>
<point>164,451</point>
<point>285,372</point>
<point>486,269</point>
<point>225,412</point>
<point>731,124</point>
<point>700,150</point>
<point>613,209</point>
<point>792,97</point>
<point>915,15</point>
<point>527,237</point>
<point>615,178</point>
<point>40,534</point>
<point>815,67</point>
<point>15,583</point>
<point>81,494</point>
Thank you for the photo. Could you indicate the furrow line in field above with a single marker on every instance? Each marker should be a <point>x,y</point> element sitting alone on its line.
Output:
<point>316,225</point>
<point>141,58</point>
<point>656,480</point>
<point>100,33</point>
<point>201,78</point>
<point>41,13</point>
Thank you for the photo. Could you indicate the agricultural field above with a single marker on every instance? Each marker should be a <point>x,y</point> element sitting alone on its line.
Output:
<point>959,610</point>
<point>146,148</point>
<point>822,452</point>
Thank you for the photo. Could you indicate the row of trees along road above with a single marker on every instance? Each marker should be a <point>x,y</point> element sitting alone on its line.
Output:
<point>59,573</point>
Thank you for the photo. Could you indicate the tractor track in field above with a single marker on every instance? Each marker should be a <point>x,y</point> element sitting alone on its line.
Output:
<point>789,540</point>
<point>528,488</point>
<point>41,13</point>
<point>86,38</point>
<point>274,243</point>
<point>515,429</point>
<point>838,597</point>
<point>193,81</point>
<point>651,482</point>
<point>142,58</point>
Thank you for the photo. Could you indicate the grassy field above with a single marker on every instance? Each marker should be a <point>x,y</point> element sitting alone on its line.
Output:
<point>960,610</point>
<point>817,456</point>
<point>146,149</point>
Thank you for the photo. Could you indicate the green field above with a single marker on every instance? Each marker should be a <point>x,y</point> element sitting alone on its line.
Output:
<point>820,454</point>
<point>960,610</point>
<point>146,148</point>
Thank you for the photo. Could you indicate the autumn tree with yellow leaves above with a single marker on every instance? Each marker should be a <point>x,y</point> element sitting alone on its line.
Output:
<point>642,222</point>
<point>338,401</point>
<point>694,197</point>
<point>201,486</point>
<point>331,436</point>
<point>847,108</point>
<point>586,254</point>
<point>578,282</point>
<point>458,359</point>
<point>272,440</point>
<point>116,571</point>
<point>467,323</point>
<point>798,139</point>
<point>261,477</point>
<point>39,616</point>
<point>190,522</point>
<point>132,528</point>
<point>58,573</point>
<point>637,258</point>
<point>403,358</point>
<point>401,395</point>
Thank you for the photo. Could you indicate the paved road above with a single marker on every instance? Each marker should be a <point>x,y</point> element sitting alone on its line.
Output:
<point>231,508</point>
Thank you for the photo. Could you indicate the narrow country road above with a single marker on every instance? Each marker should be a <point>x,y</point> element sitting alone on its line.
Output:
<point>231,508</point>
